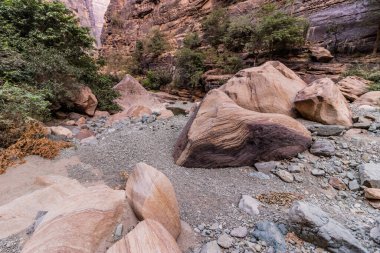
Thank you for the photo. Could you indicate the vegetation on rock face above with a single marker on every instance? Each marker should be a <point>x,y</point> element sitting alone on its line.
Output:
<point>45,58</point>
<point>189,68</point>
<point>366,72</point>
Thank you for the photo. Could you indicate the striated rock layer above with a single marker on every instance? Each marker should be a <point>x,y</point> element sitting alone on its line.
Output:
<point>221,134</point>
<point>128,21</point>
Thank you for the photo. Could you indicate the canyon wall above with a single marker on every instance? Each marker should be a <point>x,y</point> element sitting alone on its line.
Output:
<point>90,14</point>
<point>352,22</point>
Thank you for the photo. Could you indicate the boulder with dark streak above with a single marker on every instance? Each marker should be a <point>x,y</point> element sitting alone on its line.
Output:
<point>221,134</point>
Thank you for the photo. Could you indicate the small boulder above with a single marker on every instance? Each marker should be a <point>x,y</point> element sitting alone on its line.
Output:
<point>370,174</point>
<point>84,133</point>
<point>285,176</point>
<point>337,183</point>
<point>315,226</point>
<point>148,236</point>
<point>99,114</point>
<point>249,205</point>
<point>372,193</point>
<point>266,167</point>
<point>321,54</point>
<point>375,232</point>
<point>86,101</point>
<point>151,196</point>
<point>138,111</point>
<point>271,234</point>
<point>239,232</point>
<point>352,87</point>
<point>322,147</point>
<point>371,98</point>
<point>165,114</point>
<point>211,247</point>
<point>323,102</point>
<point>326,130</point>
<point>225,241</point>
<point>61,131</point>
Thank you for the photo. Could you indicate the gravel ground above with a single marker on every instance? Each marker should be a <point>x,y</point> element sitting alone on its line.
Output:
<point>209,198</point>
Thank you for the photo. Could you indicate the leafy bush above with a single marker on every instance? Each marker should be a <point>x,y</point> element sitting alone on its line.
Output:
<point>157,78</point>
<point>156,43</point>
<point>189,68</point>
<point>215,26</point>
<point>45,51</point>
<point>230,63</point>
<point>192,41</point>
<point>239,33</point>
<point>276,30</point>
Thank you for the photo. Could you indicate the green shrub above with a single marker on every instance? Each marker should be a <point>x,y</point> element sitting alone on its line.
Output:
<point>156,43</point>
<point>157,78</point>
<point>189,68</point>
<point>21,102</point>
<point>277,30</point>
<point>230,63</point>
<point>215,26</point>
<point>239,33</point>
<point>44,49</point>
<point>192,41</point>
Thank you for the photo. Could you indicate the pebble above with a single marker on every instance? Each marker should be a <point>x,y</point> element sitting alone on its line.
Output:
<point>285,176</point>
<point>225,241</point>
<point>317,172</point>
<point>239,232</point>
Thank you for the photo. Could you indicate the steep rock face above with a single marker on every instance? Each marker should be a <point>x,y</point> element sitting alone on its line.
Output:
<point>90,14</point>
<point>130,20</point>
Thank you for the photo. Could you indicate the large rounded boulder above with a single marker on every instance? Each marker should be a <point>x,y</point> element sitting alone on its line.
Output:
<point>152,196</point>
<point>221,133</point>
<point>149,236</point>
<point>269,88</point>
<point>323,102</point>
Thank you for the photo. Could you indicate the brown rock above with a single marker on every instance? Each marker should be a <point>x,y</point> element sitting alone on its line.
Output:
<point>353,87</point>
<point>321,54</point>
<point>152,196</point>
<point>323,102</point>
<point>372,193</point>
<point>86,101</point>
<point>270,88</point>
<point>99,114</point>
<point>221,134</point>
<point>69,123</point>
<point>370,98</point>
<point>133,93</point>
<point>81,222</point>
<point>149,236</point>
<point>337,183</point>
<point>84,133</point>
<point>81,121</point>
<point>62,131</point>
<point>165,114</point>
<point>137,111</point>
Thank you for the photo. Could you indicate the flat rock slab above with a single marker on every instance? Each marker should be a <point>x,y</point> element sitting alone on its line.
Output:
<point>315,226</point>
<point>370,174</point>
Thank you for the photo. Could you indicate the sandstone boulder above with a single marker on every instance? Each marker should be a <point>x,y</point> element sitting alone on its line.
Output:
<point>149,236</point>
<point>18,214</point>
<point>133,93</point>
<point>220,133</point>
<point>270,88</point>
<point>321,54</point>
<point>152,196</point>
<point>134,100</point>
<point>323,102</point>
<point>86,101</point>
<point>62,131</point>
<point>79,224</point>
<point>371,98</point>
<point>353,87</point>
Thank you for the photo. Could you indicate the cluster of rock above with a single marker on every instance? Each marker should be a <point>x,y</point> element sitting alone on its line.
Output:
<point>251,117</point>
<point>64,216</point>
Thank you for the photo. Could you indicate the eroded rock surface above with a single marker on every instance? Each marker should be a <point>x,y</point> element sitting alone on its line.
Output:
<point>221,134</point>
<point>152,196</point>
